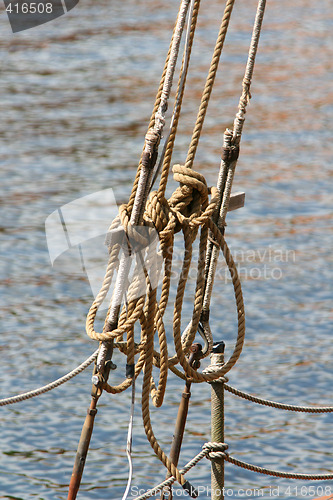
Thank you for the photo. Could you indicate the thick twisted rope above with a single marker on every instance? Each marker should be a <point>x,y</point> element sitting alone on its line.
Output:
<point>209,83</point>
<point>189,210</point>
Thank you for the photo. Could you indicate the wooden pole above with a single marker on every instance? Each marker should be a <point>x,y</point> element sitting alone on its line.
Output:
<point>195,355</point>
<point>87,429</point>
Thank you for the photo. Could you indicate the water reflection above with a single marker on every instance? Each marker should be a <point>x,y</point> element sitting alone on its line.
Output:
<point>76,97</point>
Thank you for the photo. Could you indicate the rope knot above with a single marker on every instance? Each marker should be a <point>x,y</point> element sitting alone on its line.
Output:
<point>192,179</point>
<point>215,450</point>
<point>191,198</point>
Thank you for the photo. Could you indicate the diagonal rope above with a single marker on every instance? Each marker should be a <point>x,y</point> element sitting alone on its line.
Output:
<point>52,385</point>
<point>209,83</point>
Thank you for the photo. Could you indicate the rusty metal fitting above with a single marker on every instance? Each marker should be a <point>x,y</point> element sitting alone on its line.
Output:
<point>186,395</point>
<point>196,349</point>
<point>195,355</point>
<point>92,411</point>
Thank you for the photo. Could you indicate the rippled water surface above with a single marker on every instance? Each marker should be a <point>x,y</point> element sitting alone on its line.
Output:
<point>76,96</point>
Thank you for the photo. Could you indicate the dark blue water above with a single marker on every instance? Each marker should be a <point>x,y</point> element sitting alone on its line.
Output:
<point>76,95</point>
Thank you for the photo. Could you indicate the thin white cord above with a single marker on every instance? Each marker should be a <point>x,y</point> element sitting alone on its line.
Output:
<point>129,442</point>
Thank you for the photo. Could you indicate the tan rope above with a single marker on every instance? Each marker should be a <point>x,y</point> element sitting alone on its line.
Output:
<point>189,211</point>
<point>276,473</point>
<point>209,83</point>
<point>281,406</point>
<point>51,385</point>
<point>171,139</point>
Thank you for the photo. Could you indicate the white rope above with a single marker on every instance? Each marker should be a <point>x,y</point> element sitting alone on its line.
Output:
<point>52,385</point>
<point>145,176</point>
<point>186,59</point>
<point>160,114</point>
<point>129,442</point>
<point>240,117</point>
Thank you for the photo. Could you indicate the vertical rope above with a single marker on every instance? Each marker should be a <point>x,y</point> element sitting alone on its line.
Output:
<point>246,95</point>
<point>209,83</point>
<point>180,93</point>
<point>231,151</point>
<point>152,119</point>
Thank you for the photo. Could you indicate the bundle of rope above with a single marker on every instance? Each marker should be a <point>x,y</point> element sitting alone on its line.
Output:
<point>195,211</point>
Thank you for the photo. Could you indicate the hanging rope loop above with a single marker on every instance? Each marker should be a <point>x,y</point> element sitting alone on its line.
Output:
<point>194,212</point>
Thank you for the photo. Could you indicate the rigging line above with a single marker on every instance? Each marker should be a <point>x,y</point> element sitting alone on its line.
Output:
<point>274,404</point>
<point>153,136</point>
<point>145,175</point>
<point>159,116</point>
<point>129,442</point>
<point>179,92</point>
<point>209,83</point>
<point>50,386</point>
<point>245,97</point>
<point>231,141</point>
<point>172,479</point>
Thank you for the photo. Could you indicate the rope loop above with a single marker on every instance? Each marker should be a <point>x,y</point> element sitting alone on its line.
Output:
<point>192,179</point>
<point>192,210</point>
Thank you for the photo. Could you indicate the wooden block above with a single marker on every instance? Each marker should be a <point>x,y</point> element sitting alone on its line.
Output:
<point>237,200</point>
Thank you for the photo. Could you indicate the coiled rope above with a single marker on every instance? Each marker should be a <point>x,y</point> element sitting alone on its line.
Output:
<point>188,211</point>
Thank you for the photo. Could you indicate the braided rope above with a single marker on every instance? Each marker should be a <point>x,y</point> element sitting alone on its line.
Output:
<point>218,450</point>
<point>165,159</point>
<point>246,95</point>
<point>168,482</point>
<point>188,209</point>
